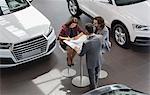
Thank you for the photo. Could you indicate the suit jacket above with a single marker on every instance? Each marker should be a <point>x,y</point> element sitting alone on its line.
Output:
<point>92,48</point>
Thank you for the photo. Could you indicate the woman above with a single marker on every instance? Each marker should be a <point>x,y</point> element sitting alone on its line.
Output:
<point>70,30</point>
<point>100,28</point>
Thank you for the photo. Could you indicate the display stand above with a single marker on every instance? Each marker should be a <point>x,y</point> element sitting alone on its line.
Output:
<point>81,81</point>
<point>67,72</point>
<point>103,74</point>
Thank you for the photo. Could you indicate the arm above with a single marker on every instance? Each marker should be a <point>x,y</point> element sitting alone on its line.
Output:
<point>80,33</point>
<point>78,36</point>
<point>79,29</point>
<point>64,38</point>
<point>106,33</point>
<point>62,35</point>
<point>84,50</point>
<point>106,44</point>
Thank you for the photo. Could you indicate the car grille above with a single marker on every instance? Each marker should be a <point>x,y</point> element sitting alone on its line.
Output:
<point>30,48</point>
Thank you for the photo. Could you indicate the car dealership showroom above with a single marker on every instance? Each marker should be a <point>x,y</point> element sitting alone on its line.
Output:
<point>33,60</point>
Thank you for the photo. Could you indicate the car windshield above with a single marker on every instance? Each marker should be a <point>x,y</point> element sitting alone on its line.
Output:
<point>127,2</point>
<point>9,6</point>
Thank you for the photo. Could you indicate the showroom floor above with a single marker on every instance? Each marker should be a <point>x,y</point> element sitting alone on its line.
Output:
<point>43,76</point>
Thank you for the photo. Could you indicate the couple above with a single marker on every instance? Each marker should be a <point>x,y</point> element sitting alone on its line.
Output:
<point>91,47</point>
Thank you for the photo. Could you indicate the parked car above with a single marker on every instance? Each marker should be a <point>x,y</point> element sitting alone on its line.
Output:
<point>25,34</point>
<point>128,19</point>
<point>114,89</point>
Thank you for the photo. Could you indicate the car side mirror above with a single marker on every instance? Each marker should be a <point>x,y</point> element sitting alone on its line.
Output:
<point>30,1</point>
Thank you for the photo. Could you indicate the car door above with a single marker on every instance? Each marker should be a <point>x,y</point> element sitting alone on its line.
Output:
<point>84,2</point>
<point>85,5</point>
<point>103,8</point>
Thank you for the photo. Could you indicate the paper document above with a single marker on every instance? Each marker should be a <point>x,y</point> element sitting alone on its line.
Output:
<point>76,43</point>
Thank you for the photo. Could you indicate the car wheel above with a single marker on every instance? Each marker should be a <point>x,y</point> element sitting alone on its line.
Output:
<point>121,35</point>
<point>74,8</point>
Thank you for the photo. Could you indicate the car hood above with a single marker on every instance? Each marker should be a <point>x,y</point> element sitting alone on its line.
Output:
<point>139,13</point>
<point>22,25</point>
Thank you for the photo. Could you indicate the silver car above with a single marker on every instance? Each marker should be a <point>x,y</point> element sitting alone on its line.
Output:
<point>114,89</point>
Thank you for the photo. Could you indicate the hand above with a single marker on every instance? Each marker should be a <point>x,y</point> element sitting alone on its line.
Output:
<point>109,43</point>
<point>64,38</point>
<point>68,39</point>
<point>75,38</point>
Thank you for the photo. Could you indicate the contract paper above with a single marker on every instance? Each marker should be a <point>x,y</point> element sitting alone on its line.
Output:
<point>76,43</point>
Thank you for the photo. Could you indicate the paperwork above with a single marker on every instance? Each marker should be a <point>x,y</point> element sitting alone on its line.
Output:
<point>76,43</point>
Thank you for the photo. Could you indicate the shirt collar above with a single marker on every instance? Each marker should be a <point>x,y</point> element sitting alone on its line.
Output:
<point>91,35</point>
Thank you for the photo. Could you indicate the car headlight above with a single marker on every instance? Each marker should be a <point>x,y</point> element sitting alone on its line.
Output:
<point>137,27</point>
<point>5,45</point>
<point>47,33</point>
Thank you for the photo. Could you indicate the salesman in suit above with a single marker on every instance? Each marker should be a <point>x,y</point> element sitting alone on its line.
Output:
<point>92,48</point>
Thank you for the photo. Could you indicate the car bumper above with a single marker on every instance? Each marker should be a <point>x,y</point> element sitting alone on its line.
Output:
<point>8,59</point>
<point>142,41</point>
<point>141,38</point>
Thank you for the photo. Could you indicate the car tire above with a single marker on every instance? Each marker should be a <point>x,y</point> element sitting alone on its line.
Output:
<point>121,35</point>
<point>74,8</point>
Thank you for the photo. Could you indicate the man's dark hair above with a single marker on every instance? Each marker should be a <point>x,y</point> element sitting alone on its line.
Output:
<point>89,28</point>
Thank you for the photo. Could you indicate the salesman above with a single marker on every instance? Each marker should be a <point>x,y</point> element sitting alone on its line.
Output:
<point>92,48</point>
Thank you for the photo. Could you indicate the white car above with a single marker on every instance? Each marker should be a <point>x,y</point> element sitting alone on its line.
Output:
<point>128,19</point>
<point>25,34</point>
